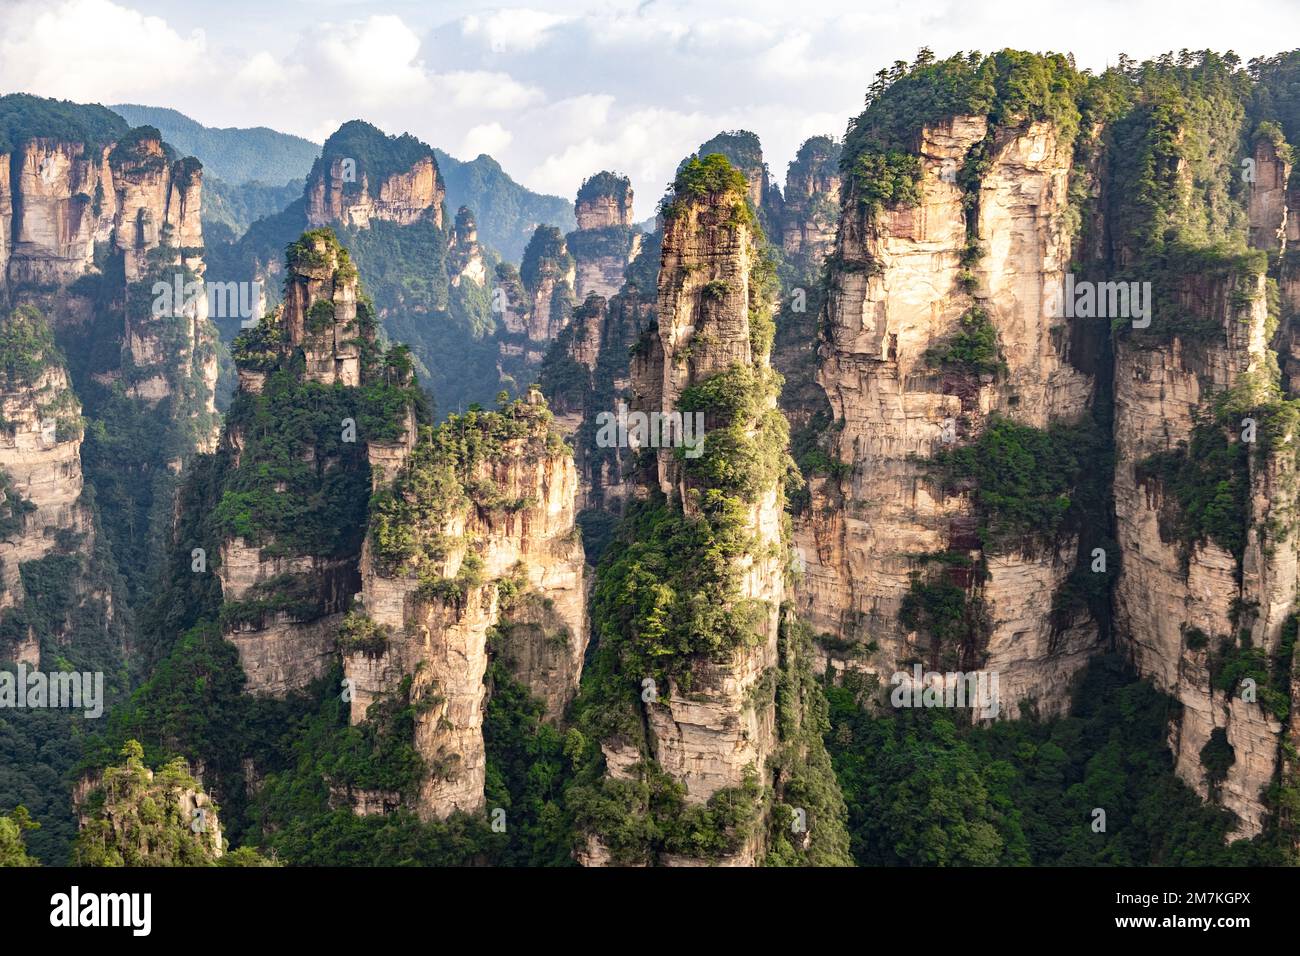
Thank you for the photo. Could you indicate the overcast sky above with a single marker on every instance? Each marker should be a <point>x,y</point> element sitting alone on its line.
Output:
<point>559,90</point>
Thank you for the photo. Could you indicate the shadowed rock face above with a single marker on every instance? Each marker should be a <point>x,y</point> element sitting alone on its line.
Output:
<point>1167,591</point>
<point>121,214</point>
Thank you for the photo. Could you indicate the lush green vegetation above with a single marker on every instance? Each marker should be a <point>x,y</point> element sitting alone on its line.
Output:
<point>27,347</point>
<point>72,601</point>
<point>13,852</point>
<point>377,155</point>
<point>1206,483</point>
<point>1174,149</point>
<point>588,244</point>
<point>24,117</point>
<point>565,381</point>
<point>741,147</point>
<point>974,349</point>
<point>546,255</point>
<point>445,474</point>
<point>131,443</point>
<point>605,184</point>
<point>954,619</point>
<point>700,178</point>
<point>277,498</point>
<point>229,209</point>
<point>1009,88</point>
<point>137,818</point>
<point>1027,481</point>
<point>924,791</point>
<point>134,149</point>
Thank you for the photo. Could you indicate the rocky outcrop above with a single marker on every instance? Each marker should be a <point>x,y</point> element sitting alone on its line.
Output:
<point>547,273</point>
<point>67,195</point>
<point>744,151</point>
<point>534,306</point>
<point>904,281</point>
<point>605,241</point>
<point>68,204</point>
<point>604,200</point>
<point>465,255</point>
<point>586,377</point>
<point>356,190</point>
<point>1190,606</point>
<point>1267,209</point>
<point>319,312</point>
<point>283,605</point>
<point>472,552</point>
<point>709,724</point>
<point>40,461</point>
<point>812,199</point>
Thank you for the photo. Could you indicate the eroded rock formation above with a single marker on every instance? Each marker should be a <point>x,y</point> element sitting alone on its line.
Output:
<point>472,552</point>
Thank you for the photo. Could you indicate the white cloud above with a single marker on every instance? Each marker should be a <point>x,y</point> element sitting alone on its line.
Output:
<point>371,60</point>
<point>512,31</point>
<point>479,89</point>
<point>93,51</point>
<point>558,89</point>
<point>490,138</point>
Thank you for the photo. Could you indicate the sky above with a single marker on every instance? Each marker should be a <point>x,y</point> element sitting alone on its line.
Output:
<point>559,90</point>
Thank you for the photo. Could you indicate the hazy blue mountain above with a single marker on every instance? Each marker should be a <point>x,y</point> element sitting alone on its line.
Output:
<point>235,156</point>
<point>506,212</point>
<point>229,209</point>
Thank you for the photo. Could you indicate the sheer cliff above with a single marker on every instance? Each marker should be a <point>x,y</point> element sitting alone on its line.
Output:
<point>695,645</point>
<point>1039,276</point>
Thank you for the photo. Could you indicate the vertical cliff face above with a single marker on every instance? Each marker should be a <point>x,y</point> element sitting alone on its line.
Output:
<point>158,202</point>
<point>354,184</point>
<point>1186,601</point>
<point>605,241</point>
<point>54,188</point>
<point>68,194</point>
<point>706,736</point>
<point>1268,174</point>
<point>61,608</point>
<point>699,638</point>
<point>812,198</point>
<point>465,255</point>
<point>809,221</point>
<point>547,273</point>
<point>472,553</point>
<point>912,287</point>
<point>102,234</point>
<point>288,576</point>
<point>586,377</point>
<point>40,460</point>
<point>1207,593</point>
<point>533,305</point>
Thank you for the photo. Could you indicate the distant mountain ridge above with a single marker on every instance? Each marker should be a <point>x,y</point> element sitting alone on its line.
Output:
<point>234,155</point>
<point>506,212</point>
